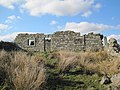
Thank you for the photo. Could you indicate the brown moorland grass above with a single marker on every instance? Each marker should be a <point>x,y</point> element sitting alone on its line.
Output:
<point>98,62</point>
<point>67,60</point>
<point>23,72</point>
<point>109,67</point>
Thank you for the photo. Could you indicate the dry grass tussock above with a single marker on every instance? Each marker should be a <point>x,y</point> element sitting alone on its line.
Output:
<point>24,72</point>
<point>67,60</point>
<point>109,67</point>
<point>98,62</point>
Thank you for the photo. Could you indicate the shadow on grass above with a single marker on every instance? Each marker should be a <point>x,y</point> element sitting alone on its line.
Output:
<point>54,82</point>
<point>78,72</point>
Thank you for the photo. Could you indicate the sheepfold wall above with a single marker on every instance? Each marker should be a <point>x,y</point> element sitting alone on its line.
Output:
<point>62,40</point>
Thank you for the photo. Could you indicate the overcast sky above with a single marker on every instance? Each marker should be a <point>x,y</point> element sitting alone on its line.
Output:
<point>48,16</point>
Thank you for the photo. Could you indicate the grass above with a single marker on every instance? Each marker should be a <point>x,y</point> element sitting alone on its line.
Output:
<point>56,70</point>
<point>79,71</point>
<point>95,62</point>
<point>109,67</point>
<point>23,72</point>
<point>67,60</point>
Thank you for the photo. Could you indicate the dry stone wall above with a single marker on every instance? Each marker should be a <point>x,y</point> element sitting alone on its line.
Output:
<point>67,40</point>
<point>93,42</point>
<point>62,40</point>
<point>22,40</point>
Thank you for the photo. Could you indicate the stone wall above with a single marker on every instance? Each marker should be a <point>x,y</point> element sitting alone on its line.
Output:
<point>22,40</point>
<point>93,41</point>
<point>62,40</point>
<point>67,40</point>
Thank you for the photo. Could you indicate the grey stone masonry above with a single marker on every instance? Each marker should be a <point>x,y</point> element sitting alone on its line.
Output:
<point>61,40</point>
<point>30,42</point>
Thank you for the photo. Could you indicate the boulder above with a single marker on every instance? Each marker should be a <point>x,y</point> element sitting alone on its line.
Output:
<point>105,80</point>
<point>114,47</point>
<point>113,42</point>
<point>115,82</point>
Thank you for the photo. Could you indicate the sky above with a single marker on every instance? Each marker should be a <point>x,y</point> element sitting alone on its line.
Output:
<point>49,16</point>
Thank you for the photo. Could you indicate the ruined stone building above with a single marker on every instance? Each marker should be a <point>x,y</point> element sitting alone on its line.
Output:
<point>62,40</point>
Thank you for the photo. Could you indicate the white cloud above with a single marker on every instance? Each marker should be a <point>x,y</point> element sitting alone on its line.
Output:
<point>117,37</point>
<point>9,21</point>
<point>12,18</point>
<point>53,22</point>
<point>86,14</point>
<point>3,27</point>
<point>59,27</point>
<point>8,3</point>
<point>54,7</point>
<point>8,37</point>
<point>85,27</point>
<point>60,7</point>
<point>97,6</point>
